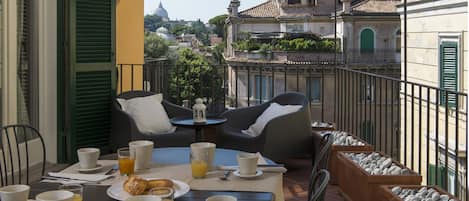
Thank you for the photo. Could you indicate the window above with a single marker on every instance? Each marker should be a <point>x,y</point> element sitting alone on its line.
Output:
<point>293,2</point>
<point>367,90</point>
<point>313,89</point>
<point>262,88</point>
<point>295,28</point>
<point>27,91</point>
<point>367,41</point>
<point>398,41</point>
<point>449,65</point>
<point>368,132</point>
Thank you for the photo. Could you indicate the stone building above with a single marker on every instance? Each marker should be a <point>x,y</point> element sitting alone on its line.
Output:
<point>367,36</point>
<point>437,57</point>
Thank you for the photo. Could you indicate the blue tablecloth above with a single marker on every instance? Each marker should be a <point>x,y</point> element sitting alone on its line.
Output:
<point>180,155</point>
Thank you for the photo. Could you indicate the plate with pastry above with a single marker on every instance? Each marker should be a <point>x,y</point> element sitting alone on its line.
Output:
<point>135,185</point>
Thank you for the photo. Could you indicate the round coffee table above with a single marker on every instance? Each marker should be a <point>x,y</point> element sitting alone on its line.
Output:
<point>188,122</point>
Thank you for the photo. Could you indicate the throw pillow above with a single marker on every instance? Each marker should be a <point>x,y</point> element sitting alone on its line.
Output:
<point>273,111</point>
<point>148,113</point>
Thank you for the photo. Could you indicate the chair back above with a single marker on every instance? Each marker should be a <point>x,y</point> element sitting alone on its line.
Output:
<point>322,159</point>
<point>318,186</point>
<point>16,154</point>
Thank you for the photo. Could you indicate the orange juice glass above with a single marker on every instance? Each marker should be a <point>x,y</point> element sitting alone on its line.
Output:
<point>126,161</point>
<point>77,189</point>
<point>199,163</point>
<point>199,168</point>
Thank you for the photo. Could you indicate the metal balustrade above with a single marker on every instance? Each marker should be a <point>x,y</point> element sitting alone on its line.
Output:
<point>422,126</point>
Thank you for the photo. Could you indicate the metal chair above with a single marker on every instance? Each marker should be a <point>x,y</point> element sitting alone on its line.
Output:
<point>15,151</point>
<point>321,160</point>
<point>318,186</point>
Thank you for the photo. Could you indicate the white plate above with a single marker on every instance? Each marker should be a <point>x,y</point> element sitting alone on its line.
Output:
<point>87,170</point>
<point>258,173</point>
<point>116,191</point>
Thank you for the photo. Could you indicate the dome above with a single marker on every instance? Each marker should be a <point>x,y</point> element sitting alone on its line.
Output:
<point>162,30</point>
<point>161,12</point>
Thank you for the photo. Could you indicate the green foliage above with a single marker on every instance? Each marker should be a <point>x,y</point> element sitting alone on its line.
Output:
<point>247,45</point>
<point>194,77</point>
<point>153,22</point>
<point>155,46</point>
<point>297,44</point>
<point>265,48</point>
<point>219,23</point>
<point>179,29</point>
<point>217,53</point>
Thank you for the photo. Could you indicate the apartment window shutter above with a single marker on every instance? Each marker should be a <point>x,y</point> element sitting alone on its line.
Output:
<point>449,72</point>
<point>91,74</point>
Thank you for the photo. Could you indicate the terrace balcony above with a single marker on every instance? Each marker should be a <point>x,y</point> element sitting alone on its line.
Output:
<point>411,122</point>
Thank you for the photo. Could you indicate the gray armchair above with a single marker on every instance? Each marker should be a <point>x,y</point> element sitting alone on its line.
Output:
<point>124,128</point>
<point>282,137</point>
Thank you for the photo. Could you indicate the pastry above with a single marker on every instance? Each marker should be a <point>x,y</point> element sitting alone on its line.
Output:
<point>138,186</point>
<point>135,185</point>
<point>159,183</point>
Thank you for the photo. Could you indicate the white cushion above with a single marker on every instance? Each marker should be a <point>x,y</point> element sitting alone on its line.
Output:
<point>273,111</point>
<point>148,113</point>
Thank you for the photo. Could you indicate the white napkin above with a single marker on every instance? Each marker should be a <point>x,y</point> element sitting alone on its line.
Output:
<point>80,177</point>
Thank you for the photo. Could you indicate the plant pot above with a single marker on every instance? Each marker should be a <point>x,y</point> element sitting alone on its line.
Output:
<point>387,195</point>
<point>359,185</point>
<point>334,164</point>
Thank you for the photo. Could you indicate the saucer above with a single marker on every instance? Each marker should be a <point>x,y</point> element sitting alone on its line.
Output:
<point>88,170</point>
<point>258,173</point>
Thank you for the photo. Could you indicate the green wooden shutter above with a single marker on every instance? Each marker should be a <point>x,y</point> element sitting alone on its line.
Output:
<point>449,71</point>
<point>367,41</point>
<point>92,44</point>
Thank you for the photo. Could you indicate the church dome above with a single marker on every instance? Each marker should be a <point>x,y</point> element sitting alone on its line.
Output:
<point>162,30</point>
<point>161,12</point>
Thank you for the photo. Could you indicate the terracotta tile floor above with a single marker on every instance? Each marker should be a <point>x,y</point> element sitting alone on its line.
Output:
<point>296,180</point>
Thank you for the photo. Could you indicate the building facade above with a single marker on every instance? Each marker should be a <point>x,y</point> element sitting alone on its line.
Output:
<point>366,38</point>
<point>437,57</point>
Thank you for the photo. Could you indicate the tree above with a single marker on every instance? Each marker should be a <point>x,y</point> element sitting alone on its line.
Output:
<point>179,29</point>
<point>219,23</point>
<point>155,46</point>
<point>194,77</point>
<point>153,22</point>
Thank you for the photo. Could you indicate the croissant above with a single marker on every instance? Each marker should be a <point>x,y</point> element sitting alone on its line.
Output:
<point>138,186</point>
<point>135,185</point>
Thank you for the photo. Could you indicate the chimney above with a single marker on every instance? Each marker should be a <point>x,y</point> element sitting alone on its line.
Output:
<point>233,8</point>
<point>346,4</point>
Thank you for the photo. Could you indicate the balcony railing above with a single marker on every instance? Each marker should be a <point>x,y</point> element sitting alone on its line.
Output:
<point>424,127</point>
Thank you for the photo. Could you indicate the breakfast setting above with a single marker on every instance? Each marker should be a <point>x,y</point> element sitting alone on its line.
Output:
<point>144,173</point>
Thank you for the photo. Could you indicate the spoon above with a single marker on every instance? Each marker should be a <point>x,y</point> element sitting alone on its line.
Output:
<point>225,176</point>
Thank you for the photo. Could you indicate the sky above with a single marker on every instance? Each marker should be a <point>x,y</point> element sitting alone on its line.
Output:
<point>196,9</point>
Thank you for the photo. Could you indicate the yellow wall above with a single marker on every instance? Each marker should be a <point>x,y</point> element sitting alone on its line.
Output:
<point>130,42</point>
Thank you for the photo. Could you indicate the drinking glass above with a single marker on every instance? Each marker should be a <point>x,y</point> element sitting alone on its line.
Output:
<point>76,189</point>
<point>199,163</point>
<point>165,193</point>
<point>126,161</point>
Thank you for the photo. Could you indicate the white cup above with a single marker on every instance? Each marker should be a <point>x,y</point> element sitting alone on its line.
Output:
<point>88,157</point>
<point>200,148</point>
<point>143,152</point>
<point>247,163</point>
<point>58,195</point>
<point>221,198</point>
<point>14,193</point>
<point>144,198</point>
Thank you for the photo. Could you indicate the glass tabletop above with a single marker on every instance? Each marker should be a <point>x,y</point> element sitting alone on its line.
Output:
<point>189,121</point>
<point>180,155</point>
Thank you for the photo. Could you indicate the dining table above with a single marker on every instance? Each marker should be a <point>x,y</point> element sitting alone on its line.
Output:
<point>173,163</point>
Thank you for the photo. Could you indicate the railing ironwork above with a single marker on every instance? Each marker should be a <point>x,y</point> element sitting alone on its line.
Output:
<point>403,119</point>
